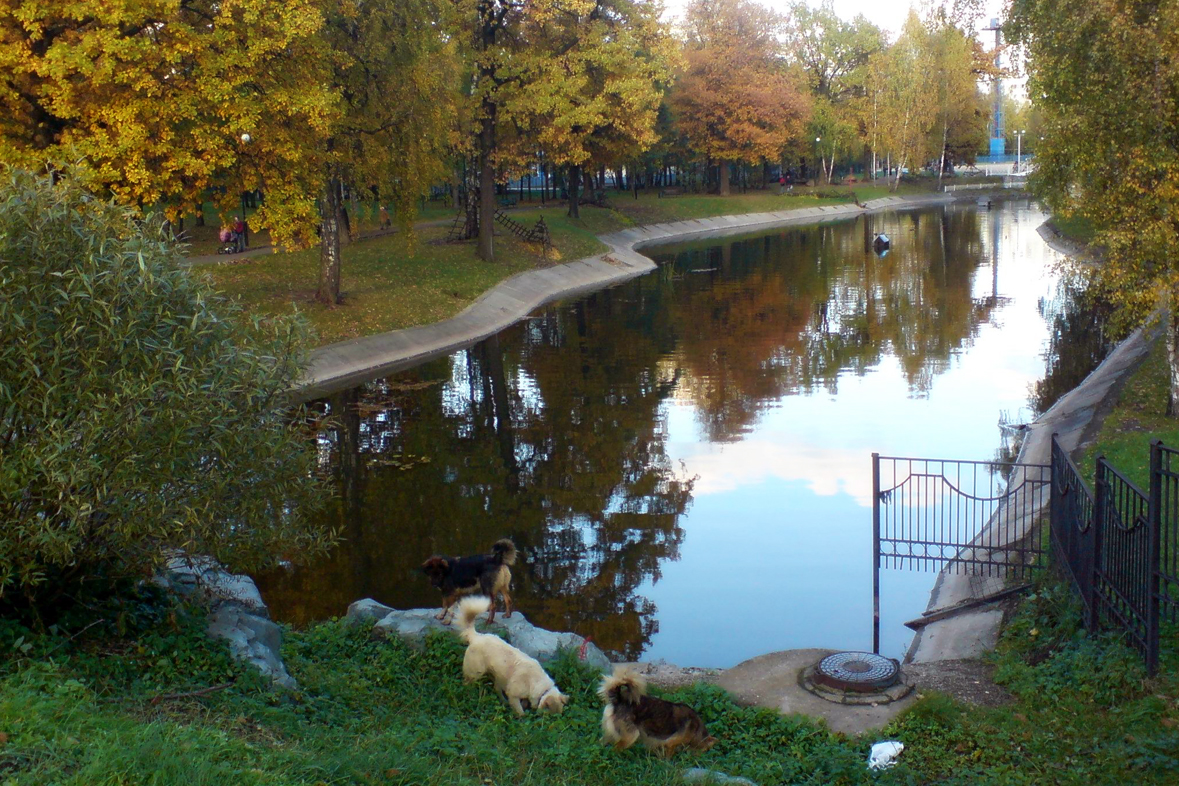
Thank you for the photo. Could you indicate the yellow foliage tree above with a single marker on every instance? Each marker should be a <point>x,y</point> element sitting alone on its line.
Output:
<point>590,88</point>
<point>157,101</point>
<point>736,99</point>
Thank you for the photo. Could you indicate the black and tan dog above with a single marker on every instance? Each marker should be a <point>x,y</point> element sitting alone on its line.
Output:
<point>482,574</point>
<point>632,715</point>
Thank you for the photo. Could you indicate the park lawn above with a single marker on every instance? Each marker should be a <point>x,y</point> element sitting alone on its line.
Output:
<point>1076,228</point>
<point>386,285</point>
<point>1138,417</point>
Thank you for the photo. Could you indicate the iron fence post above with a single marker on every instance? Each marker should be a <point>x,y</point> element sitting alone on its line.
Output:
<point>1154,521</point>
<point>876,553</point>
<point>1100,500</point>
<point>1053,511</point>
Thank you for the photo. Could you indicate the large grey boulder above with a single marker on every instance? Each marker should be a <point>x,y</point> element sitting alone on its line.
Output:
<point>236,613</point>
<point>414,624</point>
<point>366,610</point>
<point>252,639</point>
<point>208,578</point>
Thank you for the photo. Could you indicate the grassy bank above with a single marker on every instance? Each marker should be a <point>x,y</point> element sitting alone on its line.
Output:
<point>388,284</point>
<point>145,697</point>
<point>1138,417</point>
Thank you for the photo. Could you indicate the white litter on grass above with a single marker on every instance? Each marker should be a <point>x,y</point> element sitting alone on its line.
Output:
<point>884,754</point>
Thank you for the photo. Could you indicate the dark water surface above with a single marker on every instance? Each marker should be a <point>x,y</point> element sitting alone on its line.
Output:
<point>684,460</point>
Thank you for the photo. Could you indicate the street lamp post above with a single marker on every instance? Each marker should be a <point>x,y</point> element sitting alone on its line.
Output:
<point>246,138</point>
<point>1018,147</point>
<point>818,139</point>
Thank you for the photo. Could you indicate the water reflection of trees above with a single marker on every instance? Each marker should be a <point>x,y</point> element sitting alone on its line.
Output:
<point>550,436</point>
<point>555,433</point>
<point>795,311</point>
<point>1078,342</point>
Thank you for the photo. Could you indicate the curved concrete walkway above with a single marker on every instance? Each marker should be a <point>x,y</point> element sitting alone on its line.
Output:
<point>347,363</point>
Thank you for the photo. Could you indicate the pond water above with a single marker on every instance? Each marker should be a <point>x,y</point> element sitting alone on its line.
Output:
<point>684,460</point>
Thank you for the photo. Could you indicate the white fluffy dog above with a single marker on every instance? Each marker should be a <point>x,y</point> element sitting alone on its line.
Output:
<point>517,676</point>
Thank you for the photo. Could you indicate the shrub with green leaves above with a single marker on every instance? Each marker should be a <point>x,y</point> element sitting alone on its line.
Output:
<point>140,413</point>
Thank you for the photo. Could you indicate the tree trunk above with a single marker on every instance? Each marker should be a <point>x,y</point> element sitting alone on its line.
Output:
<point>486,249</point>
<point>345,219</point>
<point>486,42</point>
<point>724,178</point>
<point>1173,357</point>
<point>329,244</point>
<point>200,215</point>
<point>456,183</point>
<point>942,168</point>
<point>574,183</point>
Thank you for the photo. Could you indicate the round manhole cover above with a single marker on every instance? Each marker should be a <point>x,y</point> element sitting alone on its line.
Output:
<point>857,671</point>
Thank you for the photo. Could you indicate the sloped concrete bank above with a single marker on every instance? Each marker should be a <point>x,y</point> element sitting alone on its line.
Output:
<point>347,363</point>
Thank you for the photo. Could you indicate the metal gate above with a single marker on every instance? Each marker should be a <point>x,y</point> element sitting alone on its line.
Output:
<point>975,517</point>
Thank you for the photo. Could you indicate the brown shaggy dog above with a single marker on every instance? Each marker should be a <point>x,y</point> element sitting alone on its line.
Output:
<point>482,574</point>
<point>631,715</point>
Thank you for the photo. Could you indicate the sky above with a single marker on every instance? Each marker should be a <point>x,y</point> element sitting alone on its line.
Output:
<point>887,14</point>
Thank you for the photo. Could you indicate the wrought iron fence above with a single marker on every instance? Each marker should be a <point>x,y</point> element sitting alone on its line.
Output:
<point>1071,519</point>
<point>962,516</point>
<point>1117,545</point>
<point>1126,561</point>
<point>1164,491</point>
<point>975,517</point>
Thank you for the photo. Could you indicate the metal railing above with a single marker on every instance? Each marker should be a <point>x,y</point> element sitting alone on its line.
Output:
<point>974,517</point>
<point>1164,493</point>
<point>1117,545</point>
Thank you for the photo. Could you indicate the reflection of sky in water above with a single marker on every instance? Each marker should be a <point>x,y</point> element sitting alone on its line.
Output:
<point>778,549</point>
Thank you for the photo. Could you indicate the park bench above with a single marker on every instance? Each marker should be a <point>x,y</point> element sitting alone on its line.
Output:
<point>670,192</point>
<point>509,200</point>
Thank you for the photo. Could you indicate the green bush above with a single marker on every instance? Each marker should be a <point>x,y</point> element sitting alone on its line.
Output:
<point>140,413</point>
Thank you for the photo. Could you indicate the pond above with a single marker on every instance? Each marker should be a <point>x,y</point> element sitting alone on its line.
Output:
<point>684,460</point>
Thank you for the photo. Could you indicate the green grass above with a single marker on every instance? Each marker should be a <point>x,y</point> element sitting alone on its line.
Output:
<point>1138,417</point>
<point>387,286</point>
<point>81,711</point>
<point>1076,228</point>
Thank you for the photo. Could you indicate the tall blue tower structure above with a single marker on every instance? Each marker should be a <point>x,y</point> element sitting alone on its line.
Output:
<point>998,139</point>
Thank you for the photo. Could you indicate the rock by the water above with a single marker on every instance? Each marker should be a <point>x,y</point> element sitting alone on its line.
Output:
<point>207,576</point>
<point>703,776</point>
<point>237,613</point>
<point>413,624</point>
<point>366,610</point>
<point>252,639</point>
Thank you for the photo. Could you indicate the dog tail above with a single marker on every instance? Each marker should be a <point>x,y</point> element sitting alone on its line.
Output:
<point>468,610</point>
<point>505,551</point>
<point>625,686</point>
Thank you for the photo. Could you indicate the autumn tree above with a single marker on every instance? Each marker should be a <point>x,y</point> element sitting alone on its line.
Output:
<point>831,50</point>
<point>153,101</point>
<point>959,109</point>
<point>1106,74</point>
<point>395,72</point>
<point>736,98</point>
<point>909,103</point>
<point>591,91</point>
